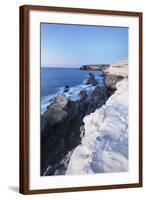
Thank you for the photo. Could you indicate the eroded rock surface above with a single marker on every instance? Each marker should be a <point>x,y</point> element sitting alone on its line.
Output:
<point>61,126</point>
<point>91,79</point>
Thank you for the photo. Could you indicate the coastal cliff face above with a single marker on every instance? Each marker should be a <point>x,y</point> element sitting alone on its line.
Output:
<point>115,73</point>
<point>62,123</point>
<point>59,134</point>
<point>81,137</point>
<point>95,67</point>
<point>104,147</point>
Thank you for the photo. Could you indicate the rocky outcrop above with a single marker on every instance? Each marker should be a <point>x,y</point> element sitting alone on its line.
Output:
<point>104,145</point>
<point>91,80</point>
<point>66,89</point>
<point>115,73</point>
<point>59,110</point>
<point>83,95</point>
<point>110,83</point>
<point>60,133</point>
<point>61,126</point>
<point>89,103</point>
<point>95,67</point>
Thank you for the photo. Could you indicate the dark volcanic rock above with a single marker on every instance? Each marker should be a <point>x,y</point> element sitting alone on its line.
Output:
<point>111,80</point>
<point>66,89</point>
<point>43,122</point>
<point>60,127</point>
<point>91,79</point>
<point>98,98</point>
<point>61,123</point>
<point>99,93</point>
<point>95,67</point>
<point>83,94</point>
<point>60,133</point>
<point>89,103</point>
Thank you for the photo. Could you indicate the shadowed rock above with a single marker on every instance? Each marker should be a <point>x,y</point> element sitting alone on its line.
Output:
<point>95,67</point>
<point>56,111</point>
<point>91,79</point>
<point>66,89</point>
<point>60,125</point>
<point>60,133</point>
<point>111,80</point>
<point>83,94</point>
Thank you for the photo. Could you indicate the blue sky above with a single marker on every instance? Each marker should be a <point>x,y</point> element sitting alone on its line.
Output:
<point>75,45</point>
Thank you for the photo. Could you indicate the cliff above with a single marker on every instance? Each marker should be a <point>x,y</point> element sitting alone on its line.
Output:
<point>90,133</point>
<point>104,147</point>
<point>119,68</point>
<point>95,67</point>
<point>62,122</point>
<point>104,144</point>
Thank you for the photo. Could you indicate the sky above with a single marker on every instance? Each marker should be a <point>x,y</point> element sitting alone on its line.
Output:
<point>75,45</point>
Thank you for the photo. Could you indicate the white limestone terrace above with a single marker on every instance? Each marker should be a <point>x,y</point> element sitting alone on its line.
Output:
<point>104,145</point>
<point>119,68</point>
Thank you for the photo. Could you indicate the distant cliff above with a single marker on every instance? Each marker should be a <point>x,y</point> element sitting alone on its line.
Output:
<point>95,67</point>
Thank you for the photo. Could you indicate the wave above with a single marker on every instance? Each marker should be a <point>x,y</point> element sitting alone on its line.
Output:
<point>72,94</point>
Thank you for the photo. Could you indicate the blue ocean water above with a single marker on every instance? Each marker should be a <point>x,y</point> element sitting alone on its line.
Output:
<point>53,81</point>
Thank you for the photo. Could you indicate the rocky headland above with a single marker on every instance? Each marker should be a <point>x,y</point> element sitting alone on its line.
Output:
<point>104,147</point>
<point>63,124</point>
<point>95,67</point>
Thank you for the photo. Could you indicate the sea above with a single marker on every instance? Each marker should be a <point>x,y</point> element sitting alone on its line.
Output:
<point>53,80</point>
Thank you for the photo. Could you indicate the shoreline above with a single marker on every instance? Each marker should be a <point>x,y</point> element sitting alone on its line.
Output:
<point>73,91</point>
<point>62,112</point>
<point>76,132</point>
<point>104,147</point>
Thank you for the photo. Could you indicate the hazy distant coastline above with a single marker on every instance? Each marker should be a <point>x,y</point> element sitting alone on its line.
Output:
<point>93,67</point>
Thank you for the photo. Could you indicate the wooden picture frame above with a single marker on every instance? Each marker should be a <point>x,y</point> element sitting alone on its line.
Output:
<point>25,97</point>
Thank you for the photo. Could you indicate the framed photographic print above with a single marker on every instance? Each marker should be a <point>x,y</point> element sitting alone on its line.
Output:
<point>80,99</point>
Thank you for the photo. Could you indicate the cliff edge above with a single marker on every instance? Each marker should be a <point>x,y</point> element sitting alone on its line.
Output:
<point>104,144</point>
